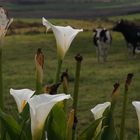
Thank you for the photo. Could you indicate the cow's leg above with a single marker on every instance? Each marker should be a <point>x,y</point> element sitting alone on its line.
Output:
<point>105,53</point>
<point>134,50</point>
<point>98,54</point>
<point>130,50</point>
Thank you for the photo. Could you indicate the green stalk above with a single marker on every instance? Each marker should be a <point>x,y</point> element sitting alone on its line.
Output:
<point>1,81</point>
<point>76,87</point>
<point>75,93</point>
<point>58,71</point>
<point>2,129</point>
<point>38,83</point>
<point>127,84</point>
<point>39,62</point>
<point>122,127</point>
<point>110,131</point>
<point>64,80</point>
<point>65,90</point>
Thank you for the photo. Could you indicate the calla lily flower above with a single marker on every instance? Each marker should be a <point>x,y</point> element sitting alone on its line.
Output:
<point>21,97</point>
<point>4,22</point>
<point>64,36</point>
<point>99,109</point>
<point>136,104</point>
<point>40,106</point>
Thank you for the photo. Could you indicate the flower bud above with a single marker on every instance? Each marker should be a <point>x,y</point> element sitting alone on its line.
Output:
<point>115,92</point>
<point>39,63</point>
<point>52,89</point>
<point>78,58</point>
<point>128,80</point>
<point>64,80</point>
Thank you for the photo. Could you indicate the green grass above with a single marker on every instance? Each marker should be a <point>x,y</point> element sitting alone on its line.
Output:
<point>96,81</point>
<point>130,17</point>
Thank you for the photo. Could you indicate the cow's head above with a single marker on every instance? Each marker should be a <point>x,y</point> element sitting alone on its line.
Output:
<point>119,26</point>
<point>97,32</point>
<point>103,35</point>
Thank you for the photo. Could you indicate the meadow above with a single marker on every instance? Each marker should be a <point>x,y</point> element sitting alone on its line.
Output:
<point>96,81</point>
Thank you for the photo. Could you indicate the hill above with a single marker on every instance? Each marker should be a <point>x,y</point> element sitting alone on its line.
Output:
<point>68,9</point>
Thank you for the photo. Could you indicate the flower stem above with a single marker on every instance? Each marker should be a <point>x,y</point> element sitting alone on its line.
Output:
<point>123,116</point>
<point>1,90</point>
<point>76,90</point>
<point>39,62</point>
<point>76,87</point>
<point>1,81</point>
<point>64,80</point>
<point>38,83</point>
<point>58,71</point>
<point>127,84</point>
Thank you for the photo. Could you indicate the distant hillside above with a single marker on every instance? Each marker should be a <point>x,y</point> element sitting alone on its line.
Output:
<point>70,8</point>
<point>45,1</point>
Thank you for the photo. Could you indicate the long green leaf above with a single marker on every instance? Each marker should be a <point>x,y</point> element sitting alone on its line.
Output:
<point>110,131</point>
<point>99,136</point>
<point>90,131</point>
<point>11,125</point>
<point>56,125</point>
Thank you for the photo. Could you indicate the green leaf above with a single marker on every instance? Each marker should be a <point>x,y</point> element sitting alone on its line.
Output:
<point>138,136</point>
<point>25,113</point>
<point>11,125</point>
<point>56,124</point>
<point>109,131</point>
<point>90,131</point>
<point>99,136</point>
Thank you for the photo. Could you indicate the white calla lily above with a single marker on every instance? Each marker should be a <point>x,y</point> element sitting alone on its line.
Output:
<point>4,22</point>
<point>136,104</point>
<point>40,106</point>
<point>99,109</point>
<point>64,36</point>
<point>21,97</point>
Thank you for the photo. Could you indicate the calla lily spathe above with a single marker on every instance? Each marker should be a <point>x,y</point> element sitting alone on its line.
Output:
<point>99,109</point>
<point>64,36</point>
<point>4,22</point>
<point>40,106</point>
<point>21,97</point>
<point>136,104</point>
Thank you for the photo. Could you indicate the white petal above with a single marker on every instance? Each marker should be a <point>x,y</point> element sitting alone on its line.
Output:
<point>40,106</point>
<point>20,96</point>
<point>99,109</point>
<point>136,104</point>
<point>46,23</point>
<point>64,36</point>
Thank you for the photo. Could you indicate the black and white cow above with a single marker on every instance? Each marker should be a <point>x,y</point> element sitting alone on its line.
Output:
<point>131,33</point>
<point>102,40</point>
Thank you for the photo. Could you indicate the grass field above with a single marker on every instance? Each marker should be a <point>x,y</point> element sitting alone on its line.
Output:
<point>96,82</point>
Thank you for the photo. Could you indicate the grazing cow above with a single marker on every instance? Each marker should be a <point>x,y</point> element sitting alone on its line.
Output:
<point>102,40</point>
<point>131,33</point>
